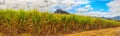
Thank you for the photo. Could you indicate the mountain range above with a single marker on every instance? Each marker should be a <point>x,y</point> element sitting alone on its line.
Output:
<point>112,18</point>
<point>116,18</point>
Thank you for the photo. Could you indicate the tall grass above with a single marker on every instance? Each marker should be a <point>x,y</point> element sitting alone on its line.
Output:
<point>36,23</point>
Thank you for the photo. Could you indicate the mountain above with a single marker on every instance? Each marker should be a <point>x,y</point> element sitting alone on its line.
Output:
<point>116,18</point>
<point>60,11</point>
<point>112,18</point>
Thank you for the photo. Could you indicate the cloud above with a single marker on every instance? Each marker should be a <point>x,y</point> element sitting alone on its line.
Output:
<point>85,8</point>
<point>44,5</point>
<point>114,7</point>
<point>52,5</point>
<point>94,14</point>
<point>114,10</point>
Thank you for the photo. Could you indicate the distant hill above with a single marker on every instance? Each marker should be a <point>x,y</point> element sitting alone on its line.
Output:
<point>60,11</point>
<point>112,18</point>
<point>116,18</point>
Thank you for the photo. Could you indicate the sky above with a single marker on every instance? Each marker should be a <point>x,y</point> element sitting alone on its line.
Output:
<point>98,8</point>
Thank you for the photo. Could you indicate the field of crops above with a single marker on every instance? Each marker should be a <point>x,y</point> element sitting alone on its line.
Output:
<point>36,23</point>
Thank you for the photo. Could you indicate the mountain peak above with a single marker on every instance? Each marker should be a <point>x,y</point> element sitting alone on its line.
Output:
<point>60,11</point>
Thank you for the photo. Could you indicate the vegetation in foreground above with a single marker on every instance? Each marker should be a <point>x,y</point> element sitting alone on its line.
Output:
<point>36,23</point>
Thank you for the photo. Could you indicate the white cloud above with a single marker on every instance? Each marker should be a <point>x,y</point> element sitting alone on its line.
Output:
<point>43,5</point>
<point>85,8</point>
<point>88,11</point>
<point>52,5</point>
<point>114,10</point>
<point>94,13</point>
<point>114,7</point>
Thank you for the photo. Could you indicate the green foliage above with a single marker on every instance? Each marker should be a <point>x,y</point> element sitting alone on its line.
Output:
<point>38,23</point>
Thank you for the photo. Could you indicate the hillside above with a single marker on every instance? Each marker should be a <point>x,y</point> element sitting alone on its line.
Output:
<point>36,23</point>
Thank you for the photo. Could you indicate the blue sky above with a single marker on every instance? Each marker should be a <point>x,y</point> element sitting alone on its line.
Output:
<point>99,8</point>
<point>97,5</point>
